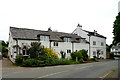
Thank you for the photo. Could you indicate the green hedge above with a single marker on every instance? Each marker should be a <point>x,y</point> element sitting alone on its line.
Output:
<point>49,62</point>
<point>116,55</point>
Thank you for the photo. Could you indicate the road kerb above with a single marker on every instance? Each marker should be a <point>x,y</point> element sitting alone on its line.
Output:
<point>103,77</point>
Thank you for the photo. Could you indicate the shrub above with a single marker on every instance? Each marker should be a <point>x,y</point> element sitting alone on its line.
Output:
<point>81,60</point>
<point>64,61</point>
<point>76,54</point>
<point>116,55</point>
<point>35,50</point>
<point>111,55</point>
<point>19,59</point>
<point>5,55</point>
<point>74,62</point>
<point>63,54</point>
<point>33,63</point>
<point>49,53</point>
<point>50,62</point>
<point>84,54</point>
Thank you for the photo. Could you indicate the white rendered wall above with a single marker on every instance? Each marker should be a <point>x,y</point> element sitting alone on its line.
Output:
<point>81,33</point>
<point>98,45</point>
<point>80,46</point>
<point>62,46</point>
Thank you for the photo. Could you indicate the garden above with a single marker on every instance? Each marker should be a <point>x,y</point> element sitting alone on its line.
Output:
<point>40,56</point>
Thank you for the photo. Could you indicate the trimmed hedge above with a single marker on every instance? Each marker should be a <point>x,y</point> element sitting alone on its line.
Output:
<point>116,55</point>
<point>49,62</point>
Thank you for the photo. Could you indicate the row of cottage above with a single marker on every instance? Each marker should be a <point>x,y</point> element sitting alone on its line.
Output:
<point>79,39</point>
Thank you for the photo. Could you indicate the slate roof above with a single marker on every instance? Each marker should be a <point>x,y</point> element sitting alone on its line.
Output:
<point>24,33</point>
<point>92,34</point>
<point>116,46</point>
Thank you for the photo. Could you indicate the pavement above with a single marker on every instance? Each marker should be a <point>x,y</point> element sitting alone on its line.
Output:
<point>88,70</point>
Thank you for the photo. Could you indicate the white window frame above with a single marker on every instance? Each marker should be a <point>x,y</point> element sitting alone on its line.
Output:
<point>55,43</point>
<point>44,38</point>
<point>67,39</point>
<point>68,51</point>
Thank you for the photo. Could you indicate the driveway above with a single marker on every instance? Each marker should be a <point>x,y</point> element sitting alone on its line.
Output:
<point>88,70</point>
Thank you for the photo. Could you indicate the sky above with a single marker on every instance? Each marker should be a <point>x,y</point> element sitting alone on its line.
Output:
<point>60,15</point>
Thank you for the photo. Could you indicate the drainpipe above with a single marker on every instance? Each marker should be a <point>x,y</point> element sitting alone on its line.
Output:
<point>89,46</point>
<point>17,45</point>
<point>50,44</point>
<point>72,46</point>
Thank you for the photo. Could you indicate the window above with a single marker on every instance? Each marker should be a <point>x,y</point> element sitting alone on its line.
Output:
<point>68,51</point>
<point>44,38</point>
<point>67,39</point>
<point>55,43</point>
<point>94,42</point>
<point>24,52</point>
<point>101,52</point>
<point>102,44</point>
<point>81,40</point>
<point>94,53</point>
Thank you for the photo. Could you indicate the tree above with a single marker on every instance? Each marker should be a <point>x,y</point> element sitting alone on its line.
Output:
<point>107,48</point>
<point>63,54</point>
<point>84,54</point>
<point>35,50</point>
<point>116,30</point>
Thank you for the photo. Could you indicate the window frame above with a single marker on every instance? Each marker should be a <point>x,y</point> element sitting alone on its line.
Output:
<point>66,39</point>
<point>94,53</point>
<point>69,51</point>
<point>94,42</point>
<point>44,38</point>
<point>55,43</point>
<point>102,44</point>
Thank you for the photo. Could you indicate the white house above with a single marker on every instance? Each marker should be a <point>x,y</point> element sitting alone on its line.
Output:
<point>116,49</point>
<point>21,37</point>
<point>97,46</point>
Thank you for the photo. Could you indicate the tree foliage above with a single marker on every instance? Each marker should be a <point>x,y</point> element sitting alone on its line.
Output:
<point>63,54</point>
<point>35,50</point>
<point>116,30</point>
<point>38,51</point>
<point>107,48</point>
<point>84,54</point>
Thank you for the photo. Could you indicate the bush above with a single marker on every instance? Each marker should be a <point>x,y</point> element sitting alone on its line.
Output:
<point>81,60</point>
<point>74,62</point>
<point>19,59</point>
<point>33,63</point>
<point>35,50</point>
<point>49,53</point>
<point>49,62</point>
<point>76,54</point>
<point>84,54</point>
<point>116,55</point>
<point>5,55</point>
<point>111,55</point>
<point>63,61</point>
<point>63,54</point>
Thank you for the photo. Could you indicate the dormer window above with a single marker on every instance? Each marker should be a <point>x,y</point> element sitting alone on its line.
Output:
<point>81,40</point>
<point>67,39</point>
<point>44,38</point>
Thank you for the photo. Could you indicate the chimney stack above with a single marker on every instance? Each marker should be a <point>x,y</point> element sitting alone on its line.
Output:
<point>95,32</point>
<point>79,25</point>
<point>49,29</point>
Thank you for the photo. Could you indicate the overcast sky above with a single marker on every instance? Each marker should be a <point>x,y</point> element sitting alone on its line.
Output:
<point>61,15</point>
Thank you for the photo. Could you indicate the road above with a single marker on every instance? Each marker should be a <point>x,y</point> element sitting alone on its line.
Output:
<point>88,70</point>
